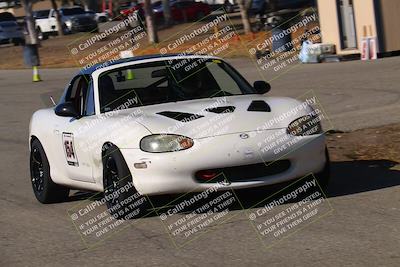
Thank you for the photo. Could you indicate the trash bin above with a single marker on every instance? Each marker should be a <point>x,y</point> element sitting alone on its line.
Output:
<point>31,55</point>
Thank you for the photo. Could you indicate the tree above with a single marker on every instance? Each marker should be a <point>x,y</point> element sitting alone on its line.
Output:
<point>166,12</point>
<point>58,17</point>
<point>244,6</point>
<point>30,23</point>
<point>115,8</point>
<point>151,26</point>
<point>89,4</point>
<point>64,2</point>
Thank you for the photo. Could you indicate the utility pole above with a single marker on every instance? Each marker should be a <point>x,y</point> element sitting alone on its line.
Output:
<point>166,12</point>
<point>60,29</point>
<point>150,23</point>
<point>30,23</point>
<point>244,6</point>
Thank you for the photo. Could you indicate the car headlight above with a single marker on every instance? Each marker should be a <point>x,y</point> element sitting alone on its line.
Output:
<point>305,125</point>
<point>158,143</point>
<point>68,23</point>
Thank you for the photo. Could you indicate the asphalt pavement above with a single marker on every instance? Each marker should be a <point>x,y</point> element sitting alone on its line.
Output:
<point>362,228</point>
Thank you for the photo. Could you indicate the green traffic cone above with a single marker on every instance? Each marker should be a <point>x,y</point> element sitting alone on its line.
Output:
<point>36,76</point>
<point>129,74</point>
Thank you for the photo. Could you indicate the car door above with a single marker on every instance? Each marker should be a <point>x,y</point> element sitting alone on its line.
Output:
<point>73,132</point>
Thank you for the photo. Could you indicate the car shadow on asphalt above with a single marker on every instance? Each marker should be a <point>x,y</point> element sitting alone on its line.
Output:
<point>357,176</point>
<point>347,177</point>
<point>83,195</point>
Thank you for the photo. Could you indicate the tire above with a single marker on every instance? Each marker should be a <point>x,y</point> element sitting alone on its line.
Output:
<point>18,42</point>
<point>324,176</point>
<point>45,190</point>
<point>120,193</point>
<point>41,36</point>
<point>65,29</point>
<point>229,8</point>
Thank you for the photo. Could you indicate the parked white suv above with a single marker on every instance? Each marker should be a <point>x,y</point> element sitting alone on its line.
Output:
<point>74,19</point>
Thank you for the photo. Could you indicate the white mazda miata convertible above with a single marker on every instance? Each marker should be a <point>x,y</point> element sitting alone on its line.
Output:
<point>166,124</point>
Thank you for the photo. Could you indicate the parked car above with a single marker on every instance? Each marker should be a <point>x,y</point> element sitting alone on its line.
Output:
<point>183,10</point>
<point>275,5</point>
<point>129,8</point>
<point>228,5</point>
<point>100,17</point>
<point>263,6</point>
<point>153,134</point>
<point>73,19</point>
<point>10,31</point>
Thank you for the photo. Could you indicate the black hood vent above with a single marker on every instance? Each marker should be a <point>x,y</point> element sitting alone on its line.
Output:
<point>180,116</point>
<point>226,109</point>
<point>259,105</point>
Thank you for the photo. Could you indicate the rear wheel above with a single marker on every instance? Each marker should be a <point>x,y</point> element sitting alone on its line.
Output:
<point>45,190</point>
<point>122,198</point>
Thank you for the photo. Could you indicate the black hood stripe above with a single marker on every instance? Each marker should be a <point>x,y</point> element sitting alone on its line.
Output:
<point>218,110</point>
<point>259,105</point>
<point>180,116</point>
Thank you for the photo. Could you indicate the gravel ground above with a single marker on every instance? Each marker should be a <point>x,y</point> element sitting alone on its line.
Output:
<point>381,143</point>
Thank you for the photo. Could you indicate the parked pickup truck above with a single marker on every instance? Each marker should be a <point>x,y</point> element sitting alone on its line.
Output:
<point>74,19</point>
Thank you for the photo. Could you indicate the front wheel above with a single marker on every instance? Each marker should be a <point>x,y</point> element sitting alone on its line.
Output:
<point>41,36</point>
<point>229,8</point>
<point>18,42</point>
<point>102,19</point>
<point>122,198</point>
<point>45,190</point>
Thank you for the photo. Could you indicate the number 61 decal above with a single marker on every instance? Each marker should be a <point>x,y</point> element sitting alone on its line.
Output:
<point>68,144</point>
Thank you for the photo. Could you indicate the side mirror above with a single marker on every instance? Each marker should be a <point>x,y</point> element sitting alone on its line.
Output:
<point>66,109</point>
<point>262,87</point>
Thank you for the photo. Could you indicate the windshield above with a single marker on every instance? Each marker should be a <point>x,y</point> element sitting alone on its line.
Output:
<point>41,14</point>
<point>157,4</point>
<point>168,81</point>
<point>72,11</point>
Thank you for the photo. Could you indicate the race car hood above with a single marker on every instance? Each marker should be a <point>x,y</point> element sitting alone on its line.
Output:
<point>222,115</point>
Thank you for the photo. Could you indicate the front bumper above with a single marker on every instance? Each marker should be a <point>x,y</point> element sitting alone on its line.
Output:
<point>174,172</point>
<point>6,38</point>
